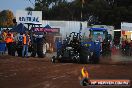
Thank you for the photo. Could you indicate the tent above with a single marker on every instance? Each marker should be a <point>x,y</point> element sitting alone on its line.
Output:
<point>47,26</point>
<point>20,28</point>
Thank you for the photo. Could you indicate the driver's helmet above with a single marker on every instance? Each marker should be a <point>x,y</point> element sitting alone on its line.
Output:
<point>74,37</point>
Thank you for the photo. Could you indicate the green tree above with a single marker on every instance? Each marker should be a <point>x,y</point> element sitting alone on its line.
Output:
<point>29,9</point>
<point>109,12</point>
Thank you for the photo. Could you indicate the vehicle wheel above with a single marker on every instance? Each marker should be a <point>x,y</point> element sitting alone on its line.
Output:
<point>40,45</point>
<point>40,54</point>
<point>33,54</point>
<point>85,55</point>
<point>53,60</point>
<point>88,59</point>
<point>78,60</point>
<point>95,59</point>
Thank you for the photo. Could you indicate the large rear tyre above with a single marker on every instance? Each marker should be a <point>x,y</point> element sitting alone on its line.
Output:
<point>95,58</point>
<point>40,48</point>
<point>53,60</point>
<point>85,56</point>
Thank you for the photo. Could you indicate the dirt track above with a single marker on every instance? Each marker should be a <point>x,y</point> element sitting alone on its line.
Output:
<point>17,72</point>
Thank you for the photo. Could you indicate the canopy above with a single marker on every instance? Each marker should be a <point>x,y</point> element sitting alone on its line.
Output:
<point>47,26</point>
<point>20,28</point>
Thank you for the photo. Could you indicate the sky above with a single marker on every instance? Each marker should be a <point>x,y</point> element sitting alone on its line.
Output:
<point>15,5</point>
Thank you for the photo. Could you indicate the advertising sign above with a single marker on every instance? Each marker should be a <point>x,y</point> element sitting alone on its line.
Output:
<point>53,30</point>
<point>126,26</point>
<point>34,17</point>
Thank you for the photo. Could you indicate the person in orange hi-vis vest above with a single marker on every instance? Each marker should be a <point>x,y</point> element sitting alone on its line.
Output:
<point>26,41</point>
<point>9,40</point>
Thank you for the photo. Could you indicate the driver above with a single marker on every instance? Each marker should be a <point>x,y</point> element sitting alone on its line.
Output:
<point>100,38</point>
<point>75,42</point>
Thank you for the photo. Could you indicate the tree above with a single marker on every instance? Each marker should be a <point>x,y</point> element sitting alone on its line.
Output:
<point>109,12</point>
<point>62,11</point>
<point>29,9</point>
<point>6,18</point>
<point>49,8</point>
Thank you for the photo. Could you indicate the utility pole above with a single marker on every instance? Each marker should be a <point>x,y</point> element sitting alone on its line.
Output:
<point>82,2</point>
<point>82,9</point>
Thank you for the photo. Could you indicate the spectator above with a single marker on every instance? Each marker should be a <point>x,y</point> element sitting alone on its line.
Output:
<point>25,42</point>
<point>9,40</point>
<point>19,44</point>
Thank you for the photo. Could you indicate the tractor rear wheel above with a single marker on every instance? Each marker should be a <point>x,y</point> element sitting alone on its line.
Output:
<point>95,58</point>
<point>85,56</point>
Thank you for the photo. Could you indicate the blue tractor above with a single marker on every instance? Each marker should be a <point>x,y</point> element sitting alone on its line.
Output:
<point>78,49</point>
<point>93,43</point>
<point>71,49</point>
<point>99,41</point>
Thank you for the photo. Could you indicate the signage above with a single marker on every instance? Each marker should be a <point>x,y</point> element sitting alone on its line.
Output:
<point>54,30</point>
<point>126,26</point>
<point>34,17</point>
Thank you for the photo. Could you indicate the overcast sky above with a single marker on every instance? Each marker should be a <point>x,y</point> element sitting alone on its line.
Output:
<point>15,5</point>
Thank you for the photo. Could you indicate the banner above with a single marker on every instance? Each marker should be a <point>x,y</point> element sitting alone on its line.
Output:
<point>54,30</point>
<point>34,17</point>
<point>126,26</point>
